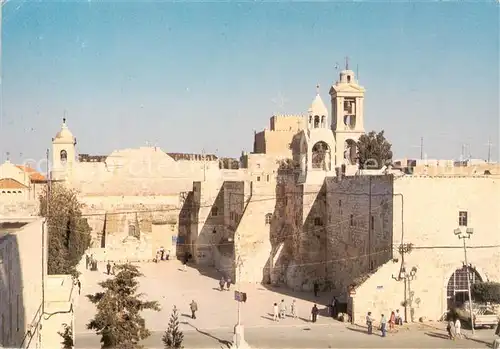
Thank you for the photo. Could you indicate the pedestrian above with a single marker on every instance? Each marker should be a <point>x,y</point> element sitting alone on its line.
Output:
<point>113,268</point>
<point>314,313</point>
<point>293,309</point>
<point>108,267</point>
<point>194,309</point>
<point>451,328</point>
<point>383,325</point>
<point>316,288</point>
<point>79,286</point>
<point>162,253</point>
<point>222,282</point>
<point>399,321</point>
<point>369,322</point>
<point>333,307</point>
<point>458,328</point>
<point>282,309</point>
<point>392,321</point>
<point>228,283</point>
<point>168,255</point>
<point>87,261</point>
<point>275,312</point>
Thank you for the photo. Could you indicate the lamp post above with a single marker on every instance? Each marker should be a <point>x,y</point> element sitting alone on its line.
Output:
<point>239,333</point>
<point>407,277</point>
<point>460,234</point>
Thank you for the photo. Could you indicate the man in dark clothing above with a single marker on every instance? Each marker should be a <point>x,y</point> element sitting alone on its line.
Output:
<point>194,309</point>
<point>314,313</point>
<point>79,286</point>
<point>108,268</point>
<point>316,289</point>
<point>87,261</point>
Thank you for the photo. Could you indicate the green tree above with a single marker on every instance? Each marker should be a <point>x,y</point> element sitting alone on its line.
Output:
<point>67,336</point>
<point>69,234</point>
<point>173,336</point>
<point>486,292</point>
<point>374,151</point>
<point>118,320</point>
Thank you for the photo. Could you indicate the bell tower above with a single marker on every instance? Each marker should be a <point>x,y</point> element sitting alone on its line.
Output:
<point>63,153</point>
<point>347,98</point>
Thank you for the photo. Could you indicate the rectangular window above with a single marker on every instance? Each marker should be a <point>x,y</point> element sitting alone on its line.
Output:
<point>462,218</point>
<point>268,178</point>
<point>258,178</point>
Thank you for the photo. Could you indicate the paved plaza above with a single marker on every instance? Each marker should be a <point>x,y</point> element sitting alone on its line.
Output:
<point>167,283</point>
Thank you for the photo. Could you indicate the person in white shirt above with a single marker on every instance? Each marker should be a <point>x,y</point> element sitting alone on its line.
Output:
<point>458,327</point>
<point>275,312</point>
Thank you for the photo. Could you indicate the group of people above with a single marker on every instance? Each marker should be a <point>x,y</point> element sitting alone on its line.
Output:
<point>394,319</point>
<point>225,282</point>
<point>90,262</point>
<point>454,327</point>
<point>161,255</point>
<point>279,311</point>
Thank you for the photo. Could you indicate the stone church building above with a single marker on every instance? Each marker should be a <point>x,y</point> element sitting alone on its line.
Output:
<point>296,210</point>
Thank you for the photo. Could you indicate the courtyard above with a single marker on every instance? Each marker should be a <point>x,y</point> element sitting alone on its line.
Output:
<point>167,283</point>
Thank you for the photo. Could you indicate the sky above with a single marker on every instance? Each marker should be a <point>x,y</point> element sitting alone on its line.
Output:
<point>203,76</point>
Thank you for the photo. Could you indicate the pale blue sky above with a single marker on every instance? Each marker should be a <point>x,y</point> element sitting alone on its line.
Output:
<point>189,76</point>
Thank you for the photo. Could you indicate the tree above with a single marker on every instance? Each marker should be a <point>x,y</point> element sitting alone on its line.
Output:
<point>486,292</point>
<point>118,320</point>
<point>67,336</point>
<point>69,234</point>
<point>374,151</point>
<point>173,336</point>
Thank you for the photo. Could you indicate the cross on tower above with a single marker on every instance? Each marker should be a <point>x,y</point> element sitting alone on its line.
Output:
<point>347,63</point>
<point>317,89</point>
<point>8,155</point>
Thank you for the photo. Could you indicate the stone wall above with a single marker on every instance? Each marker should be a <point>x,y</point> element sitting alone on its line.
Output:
<point>429,209</point>
<point>19,209</point>
<point>21,284</point>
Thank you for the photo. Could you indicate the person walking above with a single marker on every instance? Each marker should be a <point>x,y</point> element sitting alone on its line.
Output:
<point>293,309</point>
<point>333,308</point>
<point>399,321</point>
<point>458,328</point>
<point>222,282</point>
<point>314,313</point>
<point>194,309</point>
<point>450,328</point>
<point>79,284</point>
<point>87,261</point>
<point>392,321</point>
<point>316,288</point>
<point>275,313</point>
<point>282,309</point>
<point>383,325</point>
<point>108,267</point>
<point>228,283</point>
<point>369,322</point>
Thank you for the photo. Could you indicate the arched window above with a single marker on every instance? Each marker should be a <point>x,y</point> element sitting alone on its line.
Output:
<point>316,121</point>
<point>64,156</point>
<point>132,231</point>
<point>348,78</point>
<point>457,291</point>
<point>323,121</point>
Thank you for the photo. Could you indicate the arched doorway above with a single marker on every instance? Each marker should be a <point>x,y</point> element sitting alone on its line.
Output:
<point>350,152</point>
<point>321,156</point>
<point>457,292</point>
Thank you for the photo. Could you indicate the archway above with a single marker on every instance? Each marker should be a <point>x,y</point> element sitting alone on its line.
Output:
<point>350,152</point>
<point>457,292</point>
<point>321,156</point>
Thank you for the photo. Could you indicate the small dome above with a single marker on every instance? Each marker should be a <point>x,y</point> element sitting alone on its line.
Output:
<point>65,135</point>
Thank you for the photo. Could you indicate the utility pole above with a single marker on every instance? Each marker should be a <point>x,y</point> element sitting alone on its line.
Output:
<point>458,232</point>
<point>204,158</point>
<point>490,145</point>
<point>239,331</point>
<point>2,2</point>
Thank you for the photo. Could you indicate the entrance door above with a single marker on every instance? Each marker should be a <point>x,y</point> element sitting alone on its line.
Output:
<point>457,292</point>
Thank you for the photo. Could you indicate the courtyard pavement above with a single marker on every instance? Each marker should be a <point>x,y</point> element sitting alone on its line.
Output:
<point>168,284</point>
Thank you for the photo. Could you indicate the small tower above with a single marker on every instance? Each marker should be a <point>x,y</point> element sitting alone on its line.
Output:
<point>347,116</point>
<point>317,114</point>
<point>63,152</point>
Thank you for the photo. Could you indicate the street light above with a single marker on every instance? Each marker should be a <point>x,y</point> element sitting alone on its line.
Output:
<point>460,234</point>
<point>239,332</point>
<point>407,277</point>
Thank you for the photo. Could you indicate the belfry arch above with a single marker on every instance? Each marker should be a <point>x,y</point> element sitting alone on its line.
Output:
<point>321,155</point>
<point>350,152</point>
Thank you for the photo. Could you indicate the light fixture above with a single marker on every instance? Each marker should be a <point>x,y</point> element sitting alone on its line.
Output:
<point>470,231</point>
<point>457,231</point>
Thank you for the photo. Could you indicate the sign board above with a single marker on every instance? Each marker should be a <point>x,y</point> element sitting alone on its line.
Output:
<point>237,296</point>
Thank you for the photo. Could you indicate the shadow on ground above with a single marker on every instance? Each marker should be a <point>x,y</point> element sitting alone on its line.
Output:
<point>223,342</point>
